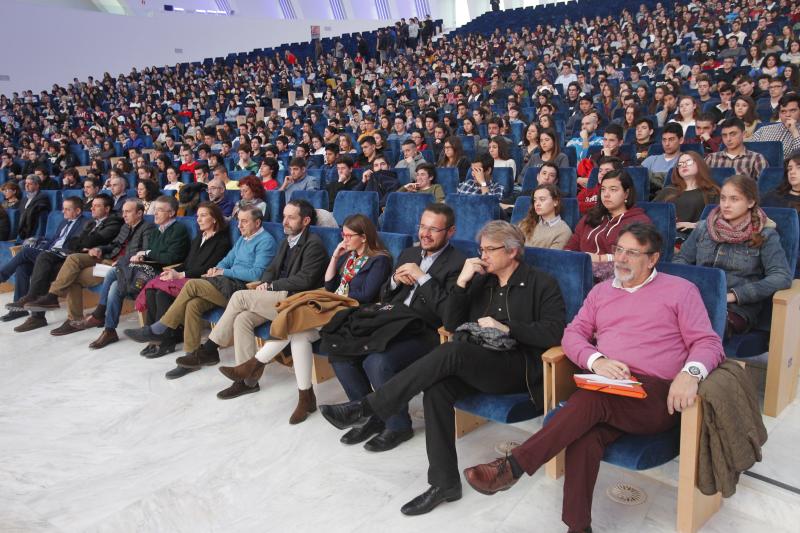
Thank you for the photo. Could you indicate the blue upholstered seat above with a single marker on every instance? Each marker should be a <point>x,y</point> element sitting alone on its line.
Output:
<point>771,150</point>
<point>331,237</point>
<point>769,179</point>
<point>395,243</point>
<point>663,216</point>
<point>403,211</point>
<point>319,199</point>
<point>472,212</point>
<point>276,201</point>
<point>447,177</point>
<point>567,181</point>
<point>191,226</point>
<point>353,202</point>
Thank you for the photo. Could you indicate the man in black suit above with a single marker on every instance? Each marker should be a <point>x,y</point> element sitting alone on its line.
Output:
<point>74,234</point>
<point>422,281</point>
<point>298,266</point>
<point>35,204</point>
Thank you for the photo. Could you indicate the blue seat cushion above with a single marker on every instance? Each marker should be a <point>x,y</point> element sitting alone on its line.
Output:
<point>639,452</point>
<point>214,314</point>
<point>503,408</point>
<point>750,344</point>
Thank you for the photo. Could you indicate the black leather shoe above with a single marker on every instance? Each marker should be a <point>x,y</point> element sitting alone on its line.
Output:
<point>428,500</point>
<point>362,433</point>
<point>165,348</point>
<point>13,315</point>
<point>149,350</point>
<point>179,372</point>
<point>143,334</point>
<point>387,439</point>
<point>345,415</point>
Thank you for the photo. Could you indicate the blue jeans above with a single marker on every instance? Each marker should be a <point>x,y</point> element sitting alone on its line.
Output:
<point>112,299</point>
<point>21,265</point>
<point>359,376</point>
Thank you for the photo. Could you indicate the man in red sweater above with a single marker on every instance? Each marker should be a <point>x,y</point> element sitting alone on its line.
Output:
<point>642,323</point>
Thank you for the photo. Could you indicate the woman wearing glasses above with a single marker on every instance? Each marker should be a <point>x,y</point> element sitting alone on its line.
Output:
<point>357,269</point>
<point>738,237</point>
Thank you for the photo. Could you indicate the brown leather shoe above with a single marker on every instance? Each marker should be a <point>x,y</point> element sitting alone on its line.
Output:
<point>249,371</point>
<point>92,321</point>
<point>237,389</point>
<point>19,305</point>
<point>33,322</point>
<point>69,326</point>
<point>491,477</point>
<point>43,303</point>
<point>196,360</point>
<point>105,338</point>
<point>306,404</point>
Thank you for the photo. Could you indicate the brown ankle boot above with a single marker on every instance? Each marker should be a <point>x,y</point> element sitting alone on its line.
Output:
<point>250,370</point>
<point>306,403</point>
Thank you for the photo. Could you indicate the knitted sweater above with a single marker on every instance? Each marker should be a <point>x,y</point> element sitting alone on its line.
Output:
<point>554,237</point>
<point>249,257</point>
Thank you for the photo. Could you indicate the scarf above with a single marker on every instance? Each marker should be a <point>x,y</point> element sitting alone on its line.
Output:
<point>720,230</point>
<point>350,270</point>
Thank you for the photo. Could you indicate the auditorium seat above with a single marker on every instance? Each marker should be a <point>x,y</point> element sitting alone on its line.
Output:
<point>771,150</point>
<point>567,181</point>
<point>472,212</point>
<point>403,211</point>
<point>663,216</point>
<point>319,199</point>
<point>349,203</point>
<point>769,180</point>
<point>448,178</point>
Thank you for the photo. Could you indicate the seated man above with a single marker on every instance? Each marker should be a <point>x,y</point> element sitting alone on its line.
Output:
<point>380,178</point>
<point>643,138</point>
<point>35,267</point>
<point>787,131</point>
<point>642,323</point>
<point>658,166</point>
<point>34,204</point>
<point>168,244</point>
<point>489,289</point>
<point>481,181</point>
<point>244,263</point>
<point>345,180</point>
<point>587,137</point>
<point>299,265</point>
<point>77,271</point>
<point>422,281</point>
<point>411,157</point>
<point>115,187</point>
<point>704,129</point>
<point>736,155</point>
<point>297,179</point>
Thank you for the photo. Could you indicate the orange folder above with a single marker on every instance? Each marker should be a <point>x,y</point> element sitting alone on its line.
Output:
<point>632,390</point>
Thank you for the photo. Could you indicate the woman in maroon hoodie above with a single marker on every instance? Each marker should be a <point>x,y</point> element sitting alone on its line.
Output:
<point>597,231</point>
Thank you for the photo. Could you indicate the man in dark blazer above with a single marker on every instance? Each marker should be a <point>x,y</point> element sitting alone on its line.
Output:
<point>422,281</point>
<point>77,271</point>
<point>75,233</point>
<point>298,266</point>
<point>35,204</point>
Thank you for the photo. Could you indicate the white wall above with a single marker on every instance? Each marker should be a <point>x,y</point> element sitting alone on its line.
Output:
<point>45,45</point>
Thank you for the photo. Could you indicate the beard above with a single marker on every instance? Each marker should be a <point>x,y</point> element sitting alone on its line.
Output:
<point>623,274</point>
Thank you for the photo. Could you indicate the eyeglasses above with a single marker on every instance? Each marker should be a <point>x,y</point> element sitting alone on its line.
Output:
<point>633,254</point>
<point>687,163</point>
<point>349,235</point>
<point>426,229</point>
<point>489,249</point>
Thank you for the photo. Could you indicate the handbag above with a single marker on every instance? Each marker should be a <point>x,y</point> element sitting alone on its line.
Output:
<point>489,338</point>
<point>132,277</point>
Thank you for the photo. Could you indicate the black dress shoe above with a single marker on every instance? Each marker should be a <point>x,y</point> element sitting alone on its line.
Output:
<point>179,372</point>
<point>238,388</point>
<point>165,348</point>
<point>13,315</point>
<point>346,415</point>
<point>388,439</point>
<point>361,433</point>
<point>428,500</point>
<point>148,350</point>
<point>143,334</point>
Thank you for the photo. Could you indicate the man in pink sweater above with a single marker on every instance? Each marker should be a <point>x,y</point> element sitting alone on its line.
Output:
<point>642,323</point>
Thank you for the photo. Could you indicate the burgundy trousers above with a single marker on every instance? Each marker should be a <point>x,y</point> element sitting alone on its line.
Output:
<point>588,423</point>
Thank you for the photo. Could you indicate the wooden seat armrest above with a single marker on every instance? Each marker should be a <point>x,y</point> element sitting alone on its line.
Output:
<point>787,295</point>
<point>444,335</point>
<point>557,377</point>
<point>554,355</point>
<point>252,284</point>
<point>15,250</point>
<point>784,344</point>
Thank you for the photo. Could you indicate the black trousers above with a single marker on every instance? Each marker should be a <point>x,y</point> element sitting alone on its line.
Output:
<point>157,304</point>
<point>450,372</point>
<point>45,270</point>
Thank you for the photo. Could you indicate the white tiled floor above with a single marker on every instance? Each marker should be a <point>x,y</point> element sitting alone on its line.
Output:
<point>100,441</point>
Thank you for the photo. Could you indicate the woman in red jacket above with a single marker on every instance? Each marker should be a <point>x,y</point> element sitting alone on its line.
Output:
<point>597,231</point>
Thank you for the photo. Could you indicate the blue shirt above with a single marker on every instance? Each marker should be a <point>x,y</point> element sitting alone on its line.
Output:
<point>249,257</point>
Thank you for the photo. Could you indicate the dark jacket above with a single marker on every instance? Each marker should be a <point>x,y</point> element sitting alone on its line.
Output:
<point>93,234</point>
<point>430,298</point>
<point>201,258</point>
<point>131,239</point>
<point>74,232</point>
<point>366,286</point>
<point>29,216</point>
<point>335,186</point>
<point>306,269</point>
<point>535,309</point>
<point>169,247</point>
<point>5,225</point>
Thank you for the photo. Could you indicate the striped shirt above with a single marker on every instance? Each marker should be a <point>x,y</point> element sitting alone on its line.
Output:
<point>778,132</point>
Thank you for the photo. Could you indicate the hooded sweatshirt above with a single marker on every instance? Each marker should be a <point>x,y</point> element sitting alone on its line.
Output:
<point>600,239</point>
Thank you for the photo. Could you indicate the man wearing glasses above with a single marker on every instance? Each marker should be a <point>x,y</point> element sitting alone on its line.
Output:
<point>509,313</point>
<point>642,323</point>
<point>422,281</point>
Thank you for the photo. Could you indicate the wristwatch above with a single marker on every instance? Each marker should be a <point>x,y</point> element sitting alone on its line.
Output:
<point>694,371</point>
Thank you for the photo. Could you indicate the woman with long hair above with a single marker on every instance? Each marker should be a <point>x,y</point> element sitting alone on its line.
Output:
<point>745,108</point>
<point>452,156</point>
<point>691,190</point>
<point>543,226</point>
<point>738,237</point>
<point>787,194</point>
<point>499,150</point>
<point>550,151</point>
<point>357,269</point>
<point>529,142</point>
<point>687,112</point>
<point>147,192</point>
<point>597,231</point>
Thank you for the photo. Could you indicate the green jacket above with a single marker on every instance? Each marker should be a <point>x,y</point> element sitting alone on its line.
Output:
<point>169,247</point>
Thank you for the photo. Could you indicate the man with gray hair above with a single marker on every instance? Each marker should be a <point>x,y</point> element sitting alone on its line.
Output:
<point>498,301</point>
<point>35,204</point>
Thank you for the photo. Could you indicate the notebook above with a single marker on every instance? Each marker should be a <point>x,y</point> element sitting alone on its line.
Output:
<point>621,387</point>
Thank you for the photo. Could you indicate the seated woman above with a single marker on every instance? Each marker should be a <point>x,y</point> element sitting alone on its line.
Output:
<point>358,268</point>
<point>12,195</point>
<point>691,190</point>
<point>207,249</point>
<point>424,182</point>
<point>253,195</point>
<point>745,108</point>
<point>598,230</point>
<point>543,226</point>
<point>452,156</point>
<point>147,191</point>
<point>738,237</point>
<point>550,151</point>
<point>787,194</point>
<point>174,182</point>
<point>500,152</point>
<point>494,354</point>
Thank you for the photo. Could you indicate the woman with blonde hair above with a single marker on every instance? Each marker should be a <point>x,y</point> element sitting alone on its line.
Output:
<point>543,226</point>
